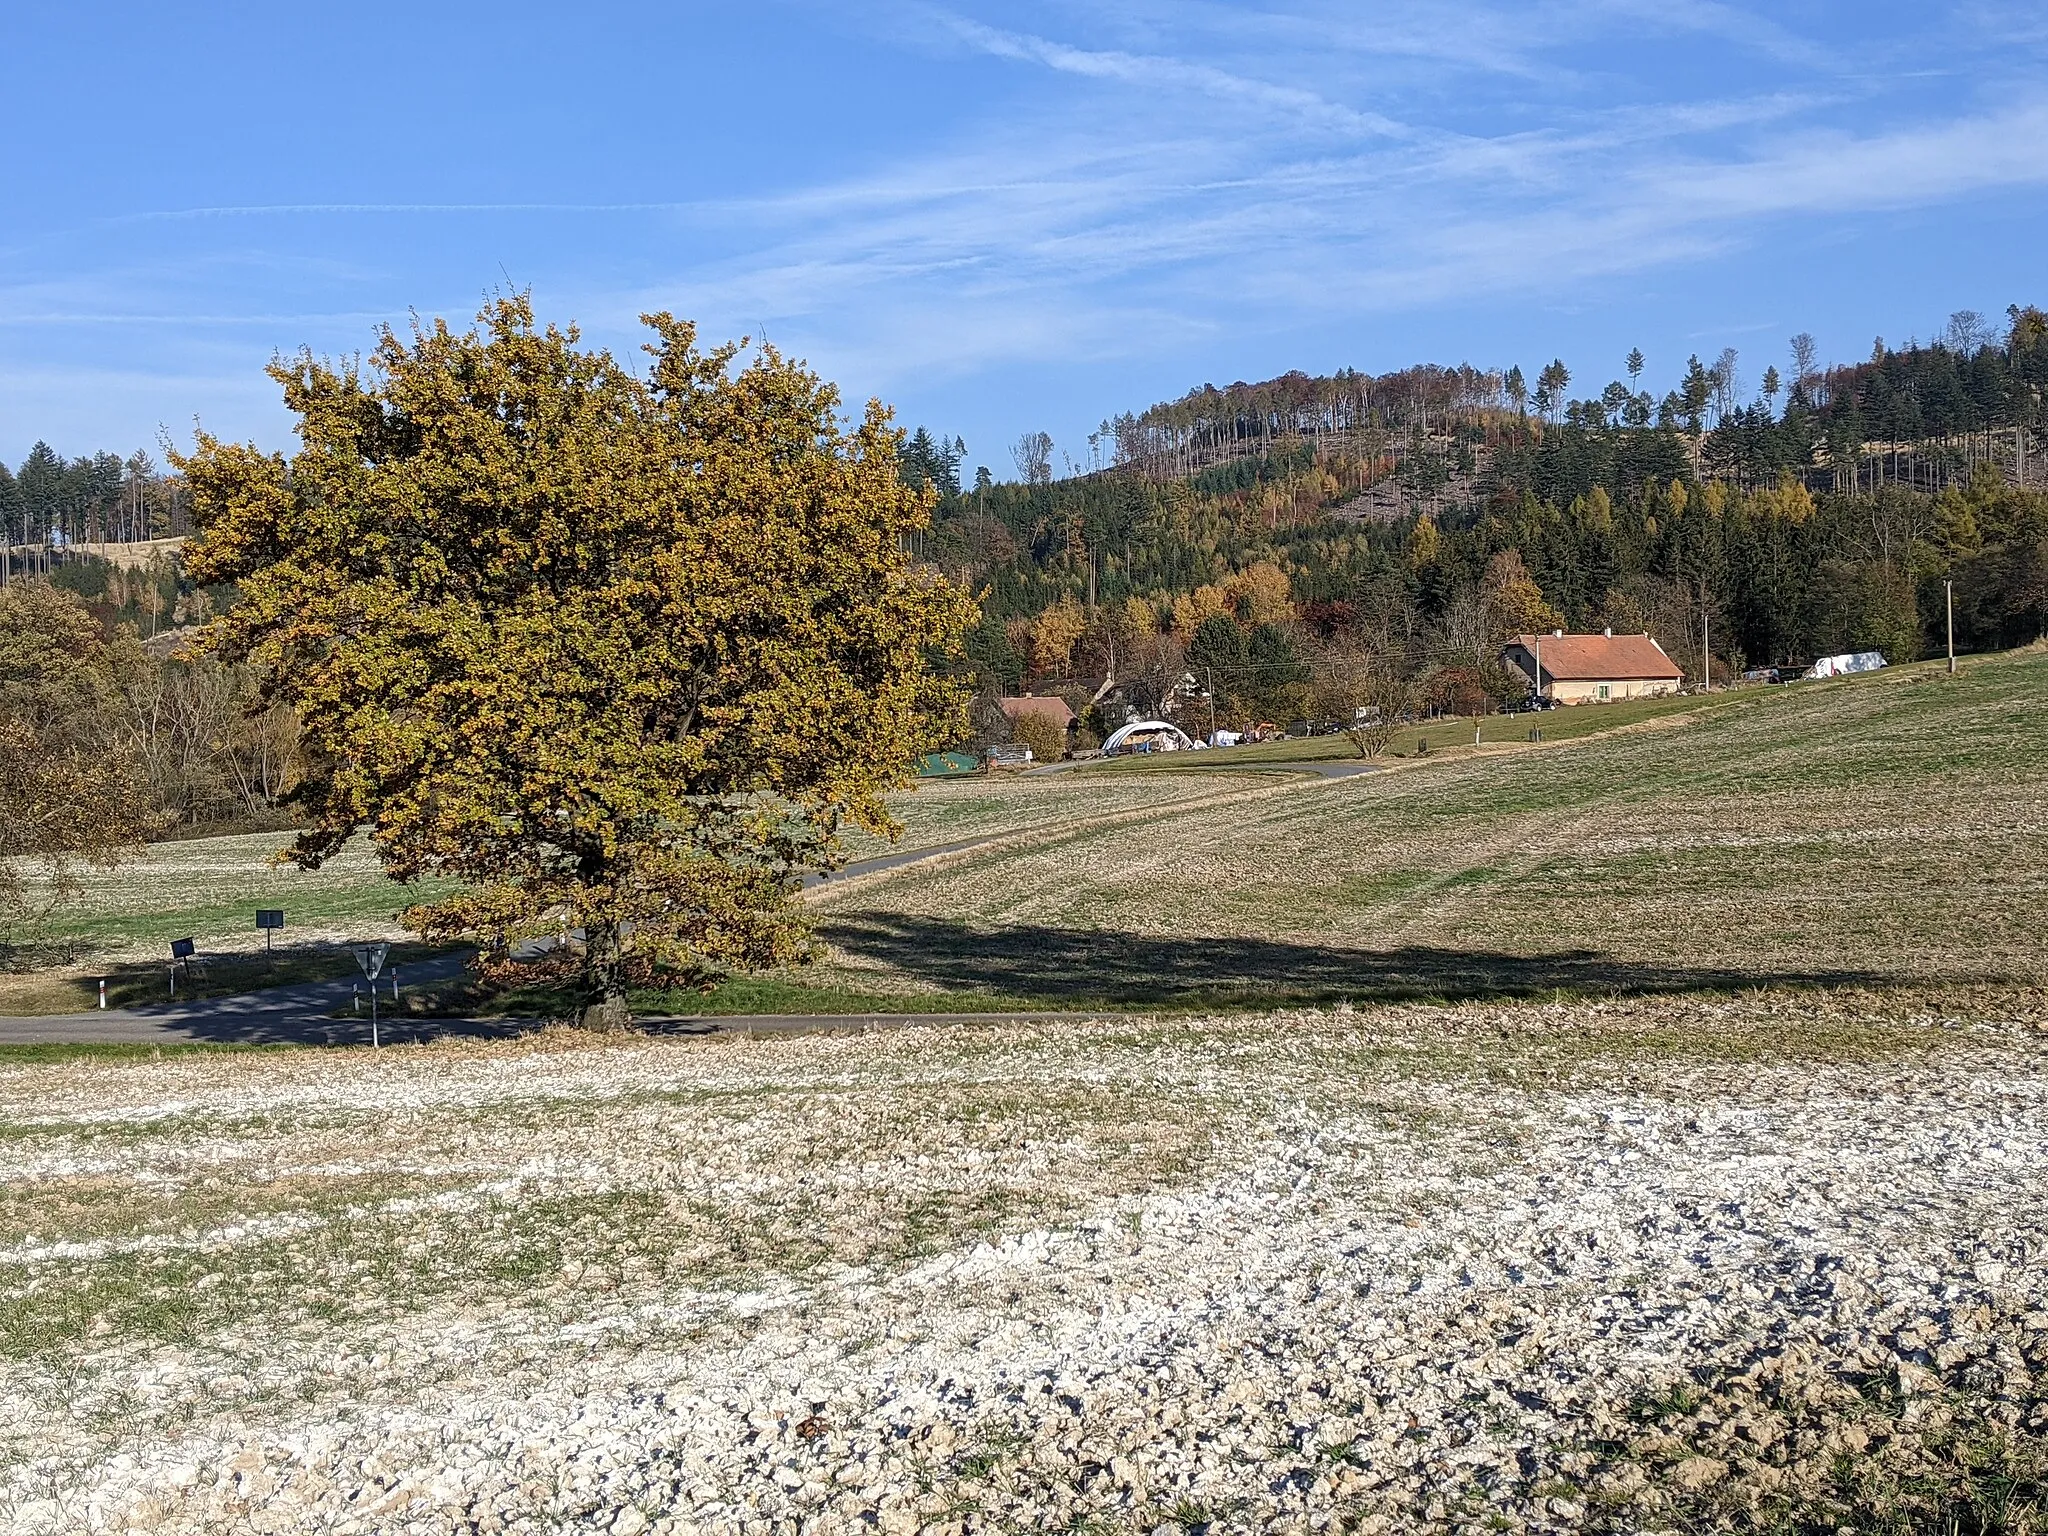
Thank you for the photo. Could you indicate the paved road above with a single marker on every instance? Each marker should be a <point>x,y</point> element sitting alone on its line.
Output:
<point>908,856</point>
<point>296,1015</point>
<point>280,1022</point>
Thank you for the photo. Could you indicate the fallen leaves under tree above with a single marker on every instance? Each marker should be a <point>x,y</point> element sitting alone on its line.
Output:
<point>622,654</point>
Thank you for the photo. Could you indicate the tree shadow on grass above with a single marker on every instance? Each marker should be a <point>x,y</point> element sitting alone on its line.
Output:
<point>1078,967</point>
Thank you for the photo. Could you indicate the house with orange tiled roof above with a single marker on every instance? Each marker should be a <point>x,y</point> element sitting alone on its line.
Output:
<point>1593,669</point>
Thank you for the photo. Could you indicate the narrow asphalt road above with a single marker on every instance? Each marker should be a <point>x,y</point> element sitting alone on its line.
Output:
<point>296,1015</point>
<point>283,1023</point>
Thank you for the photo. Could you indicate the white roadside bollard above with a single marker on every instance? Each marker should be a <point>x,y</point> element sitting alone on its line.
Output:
<point>103,992</point>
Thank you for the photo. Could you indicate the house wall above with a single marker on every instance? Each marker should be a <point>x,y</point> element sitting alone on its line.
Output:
<point>1587,690</point>
<point>1518,658</point>
<point>1575,691</point>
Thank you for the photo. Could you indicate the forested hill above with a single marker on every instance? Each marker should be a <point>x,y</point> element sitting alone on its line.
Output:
<point>1820,510</point>
<point>1925,399</point>
<point>1406,522</point>
<point>95,498</point>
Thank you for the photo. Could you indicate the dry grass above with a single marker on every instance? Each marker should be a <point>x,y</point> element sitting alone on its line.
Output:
<point>209,889</point>
<point>1888,828</point>
<point>206,889</point>
<point>938,812</point>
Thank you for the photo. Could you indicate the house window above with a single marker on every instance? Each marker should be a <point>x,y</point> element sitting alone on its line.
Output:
<point>1602,691</point>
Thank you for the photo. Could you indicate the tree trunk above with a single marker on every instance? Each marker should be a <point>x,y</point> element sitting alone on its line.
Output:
<point>604,979</point>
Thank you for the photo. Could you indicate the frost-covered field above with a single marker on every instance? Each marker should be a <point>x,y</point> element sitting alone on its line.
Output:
<point>1629,1266</point>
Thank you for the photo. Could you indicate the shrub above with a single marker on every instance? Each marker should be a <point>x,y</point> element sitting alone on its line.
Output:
<point>1048,743</point>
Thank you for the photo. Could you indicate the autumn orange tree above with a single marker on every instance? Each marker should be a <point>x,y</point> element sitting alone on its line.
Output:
<point>623,654</point>
<point>71,787</point>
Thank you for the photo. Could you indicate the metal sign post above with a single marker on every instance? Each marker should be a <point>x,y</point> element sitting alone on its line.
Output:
<point>268,921</point>
<point>370,960</point>
<point>181,949</point>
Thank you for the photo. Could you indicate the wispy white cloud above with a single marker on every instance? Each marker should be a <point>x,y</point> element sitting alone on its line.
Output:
<point>1747,29</point>
<point>1175,74</point>
<point>1118,241</point>
<point>1157,177</point>
<point>321,210</point>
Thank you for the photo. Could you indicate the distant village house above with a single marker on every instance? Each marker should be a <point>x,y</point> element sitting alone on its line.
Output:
<point>1593,669</point>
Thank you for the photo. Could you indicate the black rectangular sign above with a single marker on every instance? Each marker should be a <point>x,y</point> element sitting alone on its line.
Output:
<point>181,949</point>
<point>270,917</point>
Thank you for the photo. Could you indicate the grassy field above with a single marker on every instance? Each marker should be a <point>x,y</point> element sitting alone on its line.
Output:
<point>940,812</point>
<point>1867,830</point>
<point>1449,735</point>
<point>1871,830</point>
<point>209,889</point>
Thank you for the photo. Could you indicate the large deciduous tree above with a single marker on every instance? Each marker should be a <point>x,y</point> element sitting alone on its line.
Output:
<point>623,654</point>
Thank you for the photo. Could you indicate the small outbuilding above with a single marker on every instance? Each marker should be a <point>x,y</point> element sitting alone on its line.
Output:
<point>1593,669</point>
<point>948,765</point>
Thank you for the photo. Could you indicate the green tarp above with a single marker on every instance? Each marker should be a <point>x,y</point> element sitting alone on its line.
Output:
<point>947,765</point>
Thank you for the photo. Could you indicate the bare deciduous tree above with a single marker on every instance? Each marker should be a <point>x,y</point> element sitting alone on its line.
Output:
<point>1968,333</point>
<point>1727,384</point>
<point>1033,455</point>
<point>1805,360</point>
<point>1359,691</point>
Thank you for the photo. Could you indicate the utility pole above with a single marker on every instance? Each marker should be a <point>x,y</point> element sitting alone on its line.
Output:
<point>1539,667</point>
<point>1212,704</point>
<point>1948,593</point>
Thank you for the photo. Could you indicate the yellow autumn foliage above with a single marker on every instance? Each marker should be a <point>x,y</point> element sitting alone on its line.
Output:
<point>620,654</point>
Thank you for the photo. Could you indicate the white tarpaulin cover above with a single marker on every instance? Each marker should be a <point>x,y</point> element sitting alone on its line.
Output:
<point>1839,666</point>
<point>1161,735</point>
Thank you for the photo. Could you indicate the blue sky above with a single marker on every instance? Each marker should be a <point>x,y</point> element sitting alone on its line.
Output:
<point>1002,218</point>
